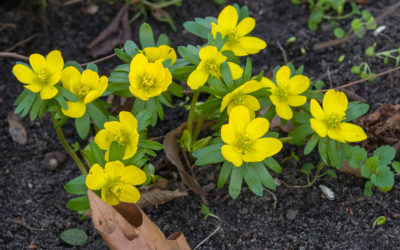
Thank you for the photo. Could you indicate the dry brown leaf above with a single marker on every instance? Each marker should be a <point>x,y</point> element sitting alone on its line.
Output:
<point>16,129</point>
<point>126,227</point>
<point>172,150</point>
<point>156,194</point>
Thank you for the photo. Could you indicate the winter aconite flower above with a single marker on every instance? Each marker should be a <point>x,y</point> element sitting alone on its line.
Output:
<point>45,73</point>
<point>328,121</point>
<point>238,42</point>
<point>240,96</point>
<point>287,92</point>
<point>160,54</point>
<point>209,65</point>
<point>124,132</point>
<point>86,87</point>
<point>243,138</point>
<point>116,182</point>
<point>148,79</point>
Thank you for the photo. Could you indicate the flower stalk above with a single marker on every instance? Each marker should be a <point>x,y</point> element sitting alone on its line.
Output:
<point>195,97</point>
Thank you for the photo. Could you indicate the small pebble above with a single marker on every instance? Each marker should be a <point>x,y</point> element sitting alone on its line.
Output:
<point>327,192</point>
<point>291,214</point>
<point>30,185</point>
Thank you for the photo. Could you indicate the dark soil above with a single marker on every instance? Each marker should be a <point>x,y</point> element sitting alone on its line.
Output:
<point>32,198</point>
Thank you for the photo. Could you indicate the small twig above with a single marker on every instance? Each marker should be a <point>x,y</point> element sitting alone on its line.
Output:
<point>156,138</point>
<point>65,3</point>
<point>329,77</point>
<point>20,43</point>
<point>273,196</point>
<point>210,235</point>
<point>99,60</point>
<point>5,25</point>
<point>283,52</point>
<point>362,80</point>
<point>14,55</point>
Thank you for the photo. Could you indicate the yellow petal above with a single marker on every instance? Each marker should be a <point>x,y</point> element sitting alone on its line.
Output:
<point>128,193</point>
<point>34,87</point>
<point>251,102</point>
<point>114,169</point>
<point>236,70</point>
<point>352,133</point>
<point>316,110</point>
<point>320,127</point>
<point>239,118</point>
<point>231,154</point>
<point>282,77</point>
<point>228,18</point>
<point>284,111</point>
<point>245,26</point>
<point>91,96</point>
<point>335,134</point>
<point>96,178</point>
<point>54,78</point>
<point>334,102</point>
<point>113,127</point>
<point>75,109</point>
<point>252,45</point>
<point>103,139</point>
<point>228,134</point>
<point>131,146</point>
<point>71,79</point>
<point>48,92</point>
<point>250,86</point>
<point>262,148</point>
<point>128,121</point>
<point>54,62</point>
<point>37,62</point>
<point>109,197</point>
<point>24,74</point>
<point>138,65</point>
<point>298,84</point>
<point>296,100</point>
<point>227,100</point>
<point>235,47</point>
<point>133,175</point>
<point>197,78</point>
<point>257,128</point>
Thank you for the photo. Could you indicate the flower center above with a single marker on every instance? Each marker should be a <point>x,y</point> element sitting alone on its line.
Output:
<point>282,94</point>
<point>231,37</point>
<point>212,68</point>
<point>238,100</point>
<point>244,144</point>
<point>43,75</point>
<point>334,120</point>
<point>121,139</point>
<point>147,82</point>
<point>82,92</point>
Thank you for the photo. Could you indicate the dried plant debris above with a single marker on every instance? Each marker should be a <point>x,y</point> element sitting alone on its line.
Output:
<point>382,127</point>
<point>16,129</point>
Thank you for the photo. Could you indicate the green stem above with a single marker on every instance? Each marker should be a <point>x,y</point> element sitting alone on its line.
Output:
<point>285,139</point>
<point>191,112</point>
<point>199,124</point>
<point>160,5</point>
<point>320,166</point>
<point>67,147</point>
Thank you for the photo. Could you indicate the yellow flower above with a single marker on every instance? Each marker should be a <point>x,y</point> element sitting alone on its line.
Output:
<point>160,54</point>
<point>288,91</point>
<point>243,138</point>
<point>148,79</point>
<point>124,132</point>
<point>240,96</point>
<point>116,182</point>
<point>209,65</point>
<point>238,42</point>
<point>86,87</point>
<point>328,121</point>
<point>45,74</point>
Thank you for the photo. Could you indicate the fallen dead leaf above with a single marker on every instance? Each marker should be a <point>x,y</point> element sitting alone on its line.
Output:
<point>156,194</point>
<point>16,129</point>
<point>126,227</point>
<point>172,150</point>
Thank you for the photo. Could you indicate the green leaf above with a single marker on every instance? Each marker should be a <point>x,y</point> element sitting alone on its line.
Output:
<point>396,166</point>
<point>252,180</point>
<point>205,211</point>
<point>197,28</point>
<point>322,150</point>
<point>190,54</point>
<point>385,154</point>
<point>176,89</point>
<point>265,177</point>
<point>92,66</point>
<point>146,36</point>
<point>123,68</point>
<point>307,167</point>
<point>97,153</point>
<point>22,96</point>
<point>77,185</point>
<point>356,110</point>
<point>82,125</point>
<point>150,144</point>
<point>383,177</point>
<point>339,32</point>
<point>131,48</point>
<point>331,173</point>
<point>368,188</point>
<point>227,76</point>
<point>60,99</point>
<point>74,237</point>
<point>371,164</point>
<point>335,158</point>
<point>311,144</point>
<point>35,108</point>
<point>273,165</point>
<point>379,221</point>
<point>116,152</point>
<point>247,70</point>
<point>357,156</point>
<point>235,183</point>
<point>163,40</point>
<point>96,114</point>
<point>226,170</point>
<point>122,55</point>
<point>78,203</point>
<point>209,155</point>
